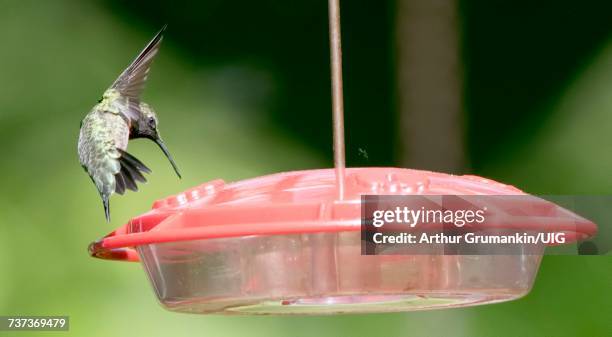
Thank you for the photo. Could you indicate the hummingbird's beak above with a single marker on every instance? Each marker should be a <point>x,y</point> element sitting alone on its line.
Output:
<point>164,149</point>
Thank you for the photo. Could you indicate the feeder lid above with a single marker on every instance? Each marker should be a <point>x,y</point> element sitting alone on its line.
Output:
<point>299,202</point>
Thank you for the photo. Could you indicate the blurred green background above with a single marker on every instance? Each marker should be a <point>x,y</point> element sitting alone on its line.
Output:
<point>242,89</point>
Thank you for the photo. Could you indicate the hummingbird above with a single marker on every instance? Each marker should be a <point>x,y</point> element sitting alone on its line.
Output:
<point>119,116</point>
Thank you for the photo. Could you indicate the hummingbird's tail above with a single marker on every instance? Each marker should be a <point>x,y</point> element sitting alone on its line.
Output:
<point>130,173</point>
<point>106,208</point>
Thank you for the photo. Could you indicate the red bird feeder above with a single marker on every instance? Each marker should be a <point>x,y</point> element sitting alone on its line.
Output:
<point>285,244</point>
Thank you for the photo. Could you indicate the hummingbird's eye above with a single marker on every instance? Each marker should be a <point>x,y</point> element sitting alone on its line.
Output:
<point>152,123</point>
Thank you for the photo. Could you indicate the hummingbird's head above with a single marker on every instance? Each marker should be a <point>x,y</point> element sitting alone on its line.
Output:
<point>146,127</point>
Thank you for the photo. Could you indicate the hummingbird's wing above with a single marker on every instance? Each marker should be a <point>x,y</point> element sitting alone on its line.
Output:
<point>131,82</point>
